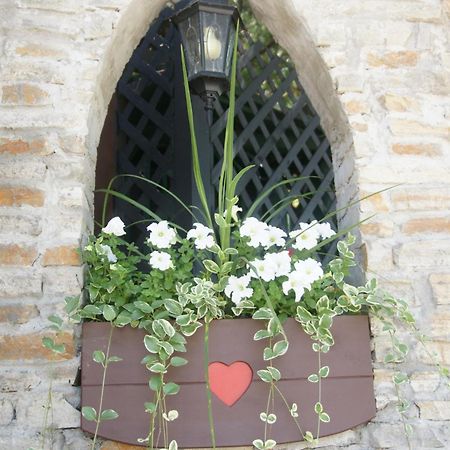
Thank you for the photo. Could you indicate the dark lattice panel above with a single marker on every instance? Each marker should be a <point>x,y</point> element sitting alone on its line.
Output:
<point>276,129</point>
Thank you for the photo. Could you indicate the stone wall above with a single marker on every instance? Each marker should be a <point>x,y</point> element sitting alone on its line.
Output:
<point>377,71</point>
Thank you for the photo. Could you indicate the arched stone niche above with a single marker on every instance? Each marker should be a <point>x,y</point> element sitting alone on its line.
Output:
<point>290,30</point>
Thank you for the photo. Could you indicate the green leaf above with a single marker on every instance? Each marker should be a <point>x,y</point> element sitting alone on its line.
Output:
<point>56,320</point>
<point>269,444</point>
<point>211,266</point>
<point>48,343</point>
<point>268,354</point>
<point>115,359</point>
<point>313,378</point>
<point>99,357</point>
<point>400,378</point>
<point>151,344</point>
<point>220,221</point>
<point>71,304</point>
<point>177,361</point>
<point>318,408</point>
<point>174,308</point>
<point>91,310</point>
<point>157,368</point>
<point>261,334</point>
<point>324,371</point>
<point>150,407</point>
<point>109,313</point>
<point>171,388</point>
<point>265,375</point>
<point>167,347</point>
<point>259,444</point>
<point>89,413</point>
<point>280,348</point>
<point>155,383</point>
<point>124,318</point>
<point>324,417</point>
<point>173,445</point>
<point>309,436</point>
<point>108,414</point>
<point>276,375</point>
<point>143,306</point>
<point>59,348</point>
<point>263,314</point>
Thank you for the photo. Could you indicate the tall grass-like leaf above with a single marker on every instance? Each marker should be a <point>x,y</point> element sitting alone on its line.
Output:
<point>269,190</point>
<point>146,180</point>
<point>195,159</point>
<point>226,189</point>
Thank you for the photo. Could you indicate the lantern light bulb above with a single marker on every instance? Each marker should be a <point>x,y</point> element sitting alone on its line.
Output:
<point>213,45</point>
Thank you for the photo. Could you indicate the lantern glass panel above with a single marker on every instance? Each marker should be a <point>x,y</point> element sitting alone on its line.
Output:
<point>215,29</point>
<point>190,29</point>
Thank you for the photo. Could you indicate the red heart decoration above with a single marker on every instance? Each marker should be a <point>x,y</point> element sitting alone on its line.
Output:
<point>229,382</point>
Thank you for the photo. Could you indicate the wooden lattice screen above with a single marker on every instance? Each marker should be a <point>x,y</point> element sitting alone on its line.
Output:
<point>277,129</point>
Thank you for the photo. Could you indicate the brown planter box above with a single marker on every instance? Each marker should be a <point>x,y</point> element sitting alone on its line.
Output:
<point>347,394</point>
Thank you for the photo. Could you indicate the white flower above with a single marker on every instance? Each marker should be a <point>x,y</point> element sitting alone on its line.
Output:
<point>160,260</point>
<point>237,288</point>
<point>106,251</point>
<point>203,236</point>
<point>273,236</point>
<point>306,237</point>
<point>115,226</point>
<point>310,268</point>
<point>281,262</point>
<point>325,230</point>
<point>295,282</point>
<point>234,212</point>
<point>161,235</point>
<point>262,268</point>
<point>254,229</point>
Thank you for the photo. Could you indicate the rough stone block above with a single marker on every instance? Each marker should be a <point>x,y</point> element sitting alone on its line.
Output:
<point>425,382</point>
<point>17,314</point>
<point>427,225</point>
<point>20,146</point>
<point>393,59</point>
<point>24,94</point>
<point>63,280</point>
<point>61,256</point>
<point>14,224</point>
<point>419,198</point>
<point>29,347</point>
<point>399,103</point>
<point>6,412</point>
<point>434,410</point>
<point>408,128</point>
<point>23,170</point>
<point>379,229</point>
<point>427,150</point>
<point>19,196</point>
<point>424,254</point>
<point>440,283</point>
<point>15,255</point>
<point>20,283</point>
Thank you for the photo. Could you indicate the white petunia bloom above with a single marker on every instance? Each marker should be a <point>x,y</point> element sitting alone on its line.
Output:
<point>310,269</point>
<point>325,230</point>
<point>106,251</point>
<point>254,229</point>
<point>160,260</point>
<point>281,262</point>
<point>295,282</point>
<point>115,226</point>
<point>203,236</point>
<point>273,236</point>
<point>262,268</point>
<point>306,237</point>
<point>237,288</point>
<point>161,235</point>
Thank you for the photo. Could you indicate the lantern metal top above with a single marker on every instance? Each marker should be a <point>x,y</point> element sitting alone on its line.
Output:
<point>207,29</point>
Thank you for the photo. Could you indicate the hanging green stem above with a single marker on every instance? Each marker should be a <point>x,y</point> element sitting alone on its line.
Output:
<point>208,390</point>
<point>102,392</point>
